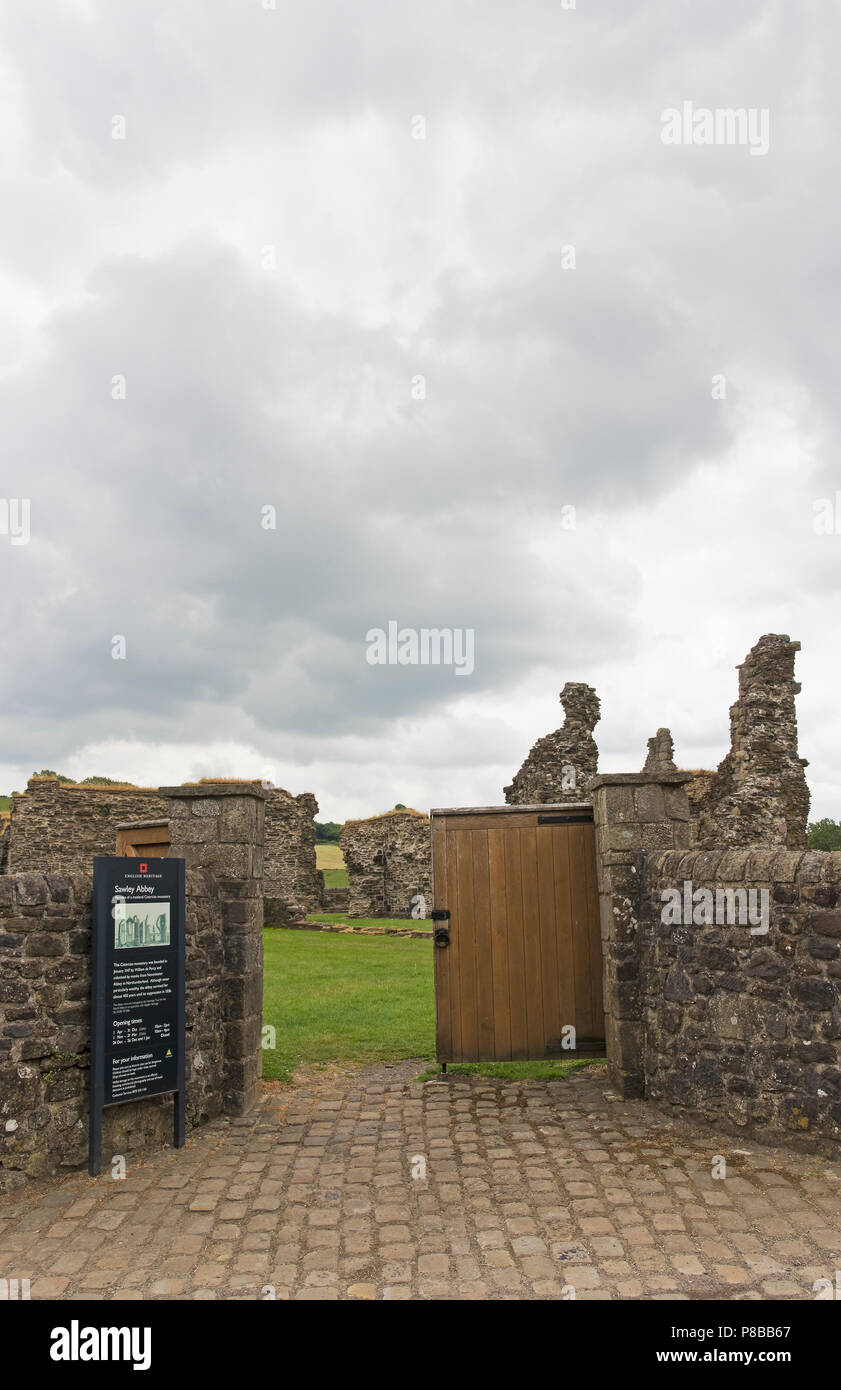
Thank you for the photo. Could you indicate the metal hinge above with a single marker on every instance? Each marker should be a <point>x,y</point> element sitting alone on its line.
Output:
<point>440,914</point>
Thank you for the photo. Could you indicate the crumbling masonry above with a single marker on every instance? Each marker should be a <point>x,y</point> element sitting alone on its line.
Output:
<point>561,765</point>
<point>388,860</point>
<point>759,794</point>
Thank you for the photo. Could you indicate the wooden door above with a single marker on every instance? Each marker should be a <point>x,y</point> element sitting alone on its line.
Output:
<point>150,838</point>
<point>524,959</point>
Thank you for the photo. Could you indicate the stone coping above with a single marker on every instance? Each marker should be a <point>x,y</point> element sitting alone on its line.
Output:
<point>509,810</point>
<point>216,789</point>
<point>639,779</point>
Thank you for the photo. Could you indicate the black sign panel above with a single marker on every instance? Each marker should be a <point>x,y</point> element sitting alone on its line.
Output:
<point>138,1032</point>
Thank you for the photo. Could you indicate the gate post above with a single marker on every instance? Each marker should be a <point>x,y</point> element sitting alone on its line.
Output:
<point>633,812</point>
<point>219,826</point>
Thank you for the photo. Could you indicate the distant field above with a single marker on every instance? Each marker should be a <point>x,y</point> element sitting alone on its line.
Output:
<point>330,859</point>
<point>5,802</point>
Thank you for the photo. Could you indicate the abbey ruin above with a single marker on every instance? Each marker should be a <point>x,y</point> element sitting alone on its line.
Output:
<point>738,1025</point>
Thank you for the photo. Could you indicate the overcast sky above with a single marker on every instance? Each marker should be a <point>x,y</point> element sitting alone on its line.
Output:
<point>271,257</point>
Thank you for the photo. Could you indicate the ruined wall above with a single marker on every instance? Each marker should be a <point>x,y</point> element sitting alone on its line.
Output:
<point>60,826</point>
<point>4,846</point>
<point>561,765</point>
<point>743,1026</point>
<point>45,1005</point>
<point>388,861</point>
<point>45,1019</point>
<point>759,794</point>
<point>291,882</point>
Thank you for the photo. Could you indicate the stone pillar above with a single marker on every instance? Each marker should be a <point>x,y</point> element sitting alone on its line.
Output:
<point>219,826</point>
<point>633,812</point>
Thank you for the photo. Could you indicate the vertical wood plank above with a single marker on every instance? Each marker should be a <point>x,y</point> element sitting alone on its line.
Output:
<point>580,929</point>
<point>441,963</point>
<point>483,946</point>
<point>499,945</point>
<point>453,951</point>
<point>516,947</point>
<point>535,1034</point>
<point>594,935</point>
<point>552,1021</point>
<point>467,945</point>
<point>563,923</point>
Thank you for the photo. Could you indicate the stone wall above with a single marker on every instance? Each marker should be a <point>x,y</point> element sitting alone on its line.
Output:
<point>45,1007</point>
<point>292,884</point>
<point>220,826</point>
<point>634,813</point>
<point>759,794</point>
<point>45,1019</point>
<point>743,1026</point>
<point>561,765</point>
<point>4,846</point>
<point>59,826</point>
<point>388,861</point>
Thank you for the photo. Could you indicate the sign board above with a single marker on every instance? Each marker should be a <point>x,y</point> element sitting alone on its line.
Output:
<point>139,988</point>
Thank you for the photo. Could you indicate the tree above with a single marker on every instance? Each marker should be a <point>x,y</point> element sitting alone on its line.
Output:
<point>327,832</point>
<point>824,834</point>
<point>400,807</point>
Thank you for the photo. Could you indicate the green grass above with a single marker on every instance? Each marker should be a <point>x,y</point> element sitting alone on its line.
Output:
<point>331,860</point>
<point>335,998</point>
<point>403,923</point>
<point>5,803</point>
<point>339,998</point>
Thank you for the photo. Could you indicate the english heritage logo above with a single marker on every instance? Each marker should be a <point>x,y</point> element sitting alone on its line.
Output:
<point>75,1343</point>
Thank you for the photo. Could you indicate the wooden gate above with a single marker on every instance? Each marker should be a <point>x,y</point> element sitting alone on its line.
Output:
<point>144,837</point>
<point>519,957</point>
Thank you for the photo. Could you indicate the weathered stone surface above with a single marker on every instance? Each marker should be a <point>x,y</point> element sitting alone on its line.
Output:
<point>60,826</point>
<point>388,861</point>
<point>290,877</point>
<point>765,1006</point>
<point>758,795</point>
<point>45,999</point>
<point>561,765</point>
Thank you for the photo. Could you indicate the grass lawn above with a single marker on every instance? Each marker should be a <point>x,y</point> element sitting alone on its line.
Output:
<point>330,859</point>
<point>339,998</point>
<point>403,923</point>
<point>346,998</point>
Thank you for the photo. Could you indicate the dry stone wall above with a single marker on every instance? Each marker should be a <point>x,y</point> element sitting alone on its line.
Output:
<point>388,861</point>
<point>562,765</point>
<point>45,1007</point>
<point>45,1011</point>
<point>59,826</point>
<point>292,884</point>
<point>743,1025</point>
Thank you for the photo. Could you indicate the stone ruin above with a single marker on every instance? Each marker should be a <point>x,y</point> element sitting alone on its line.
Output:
<point>59,827</point>
<point>758,795</point>
<point>389,862</point>
<point>562,765</point>
<point>292,885</point>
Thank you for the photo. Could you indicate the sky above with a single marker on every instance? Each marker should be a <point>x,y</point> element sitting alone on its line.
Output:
<point>427,281</point>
